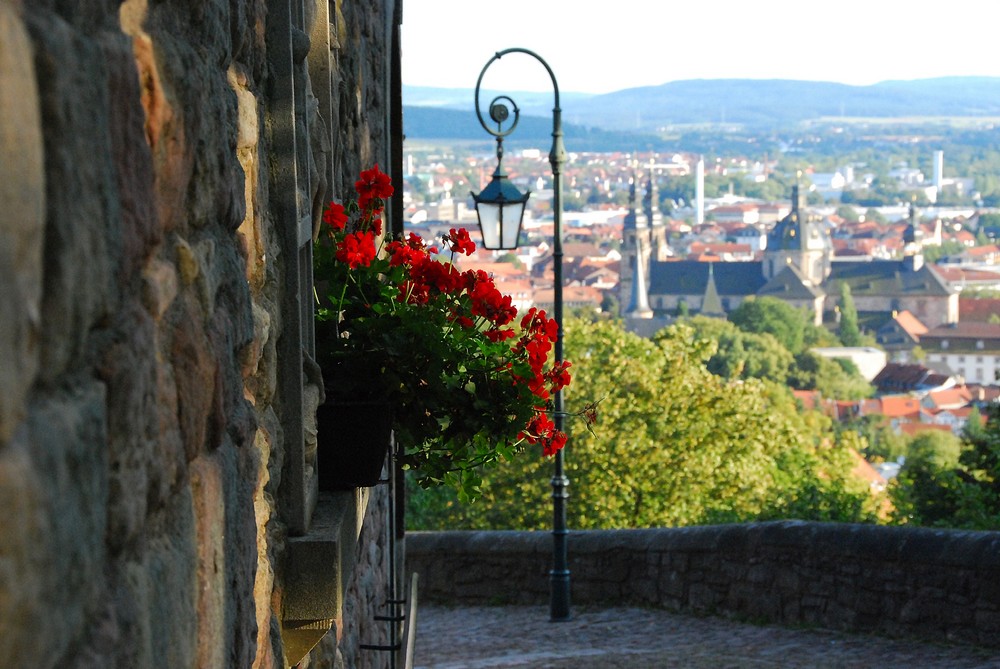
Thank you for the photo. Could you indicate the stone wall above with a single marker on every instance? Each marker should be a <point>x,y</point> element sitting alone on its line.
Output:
<point>158,169</point>
<point>897,581</point>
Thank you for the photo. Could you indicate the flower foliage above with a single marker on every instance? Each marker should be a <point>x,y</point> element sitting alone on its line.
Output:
<point>469,383</point>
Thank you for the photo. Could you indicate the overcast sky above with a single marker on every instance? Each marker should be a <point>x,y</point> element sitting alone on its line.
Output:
<point>597,46</point>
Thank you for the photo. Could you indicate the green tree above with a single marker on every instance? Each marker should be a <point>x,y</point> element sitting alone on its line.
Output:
<point>989,220</point>
<point>848,213</point>
<point>880,440</point>
<point>928,489</point>
<point>740,354</point>
<point>934,253</point>
<point>772,316</point>
<point>848,331</point>
<point>834,379</point>
<point>979,469</point>
<point>511,258</point>
<point>949,486</point>
<point>674,445</point>
<point>872,214</point>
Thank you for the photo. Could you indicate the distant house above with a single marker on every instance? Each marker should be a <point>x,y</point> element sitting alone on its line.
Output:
<point>947,398</point>
<point>745,213</point>
<point>722,251</point>
<point>869,360</point>
<point>986,255</point>
<point>900,335</point>
<point>968,279</point>
<point>752,236</point>
<point>910,378</point>
<point>574,297</point>
<point>968,349</point>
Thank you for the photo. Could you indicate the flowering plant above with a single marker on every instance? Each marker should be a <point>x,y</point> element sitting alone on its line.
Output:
<point>469,383</point>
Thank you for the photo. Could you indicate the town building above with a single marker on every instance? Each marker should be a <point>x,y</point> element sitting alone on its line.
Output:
<point>798,266</point>
<point>968,349</point>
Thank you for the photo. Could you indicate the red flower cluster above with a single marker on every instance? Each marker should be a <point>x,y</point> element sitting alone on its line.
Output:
<point>491,311</point>
<point>334,216</point>
<point>409,283</point>
<point>357,248</point>
<point>373,188</point>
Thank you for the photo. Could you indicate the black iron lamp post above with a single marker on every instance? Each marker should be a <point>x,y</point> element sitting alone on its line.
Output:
<point>500,208</point>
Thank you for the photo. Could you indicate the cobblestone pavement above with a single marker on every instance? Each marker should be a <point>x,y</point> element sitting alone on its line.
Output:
<point>632,638</point>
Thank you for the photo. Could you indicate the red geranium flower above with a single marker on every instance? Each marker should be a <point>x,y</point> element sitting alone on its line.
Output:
<point>460,242</point>
<point>334,216</point>
<point>357,249</point>
<point>372,184</point>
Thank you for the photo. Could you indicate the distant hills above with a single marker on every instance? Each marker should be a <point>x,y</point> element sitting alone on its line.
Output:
<point>642,114</point>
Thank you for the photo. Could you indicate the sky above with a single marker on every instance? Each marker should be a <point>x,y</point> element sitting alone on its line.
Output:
<point>599,46</point>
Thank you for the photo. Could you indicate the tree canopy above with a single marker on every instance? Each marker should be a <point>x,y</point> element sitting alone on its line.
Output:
<point>950,483</point>
<point>774,317</point>
<point>674,445</point>
<point>848,330</point>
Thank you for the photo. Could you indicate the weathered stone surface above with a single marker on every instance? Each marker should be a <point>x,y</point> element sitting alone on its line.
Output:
<point>22,586</point>
<point>169,577</point>
<point>131,158</point>
<point>159,287</point>
<point>196,375</point>
<point>141,290</point>
<point>22,220</point>
<point>82,222</point>
<point>67,435</point>
<point>132,426</point>
<point>210,515</point>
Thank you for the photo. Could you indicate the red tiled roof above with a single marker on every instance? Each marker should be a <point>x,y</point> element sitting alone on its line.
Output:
<point>910,324</point>
<point>960,274</point>
<point>966,330</point>
<point>979,310</point>
<point>719,247</point>
<point>899,406</point>
<point>950,397</point>
<point>977,251</point>
<point>910,429</point>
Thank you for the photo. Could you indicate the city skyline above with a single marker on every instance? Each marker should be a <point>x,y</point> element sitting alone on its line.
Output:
<point>592,50</point>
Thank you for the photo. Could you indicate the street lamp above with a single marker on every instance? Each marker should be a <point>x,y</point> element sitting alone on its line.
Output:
<point>500,208</point>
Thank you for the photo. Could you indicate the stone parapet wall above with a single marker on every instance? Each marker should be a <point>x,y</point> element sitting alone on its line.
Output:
<point>897,581</point>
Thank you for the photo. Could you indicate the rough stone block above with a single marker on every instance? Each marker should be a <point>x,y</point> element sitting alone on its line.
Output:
<point>83,233</point>
<point>22,220</point>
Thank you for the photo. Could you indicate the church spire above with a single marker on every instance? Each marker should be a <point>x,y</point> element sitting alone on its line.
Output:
<point>913,248</point>
<point>711,304</point>
<point>651,201</point>
<point>638,306</point>
<point>635,219</point>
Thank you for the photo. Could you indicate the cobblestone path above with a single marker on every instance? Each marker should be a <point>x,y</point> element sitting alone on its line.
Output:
<point>631,638</point>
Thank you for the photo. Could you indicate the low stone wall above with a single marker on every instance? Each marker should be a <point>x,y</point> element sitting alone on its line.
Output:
<point>897,581</point>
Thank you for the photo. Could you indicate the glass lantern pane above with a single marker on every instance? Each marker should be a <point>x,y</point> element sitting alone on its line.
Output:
<point>511,224</point>
<point>489,224</point>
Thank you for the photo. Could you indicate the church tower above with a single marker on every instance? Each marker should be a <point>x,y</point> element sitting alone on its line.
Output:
<point>796,240</point>
<point>913,248</point>
<point>638,305</point>
<point>635,244</point>
<point>659,250</point>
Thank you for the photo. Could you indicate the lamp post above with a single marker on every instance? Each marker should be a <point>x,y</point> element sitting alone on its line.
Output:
<point>500,208</point>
